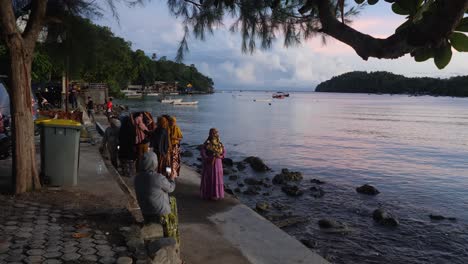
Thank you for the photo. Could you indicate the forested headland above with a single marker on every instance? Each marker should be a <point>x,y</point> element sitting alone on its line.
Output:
<point>389,83</point>
<point>93,53</point>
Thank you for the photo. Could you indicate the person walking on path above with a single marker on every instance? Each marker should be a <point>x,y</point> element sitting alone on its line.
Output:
<point>72,98</point>
<point>110,141</point>
<point>161,144</point>
<point>109,106</point>
<point>212,183</point>
<point>175,138</point>
<point>90,109</point>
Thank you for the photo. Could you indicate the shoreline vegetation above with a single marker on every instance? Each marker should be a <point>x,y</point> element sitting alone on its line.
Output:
<point>381,82</point>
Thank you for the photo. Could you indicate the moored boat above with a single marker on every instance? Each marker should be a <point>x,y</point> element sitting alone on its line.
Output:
<point>170,101</point>
<point>186,103</point>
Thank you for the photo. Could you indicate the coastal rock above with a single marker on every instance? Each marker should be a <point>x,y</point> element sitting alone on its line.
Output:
<point>292,190</point>
<point>317,192</point>
<point>266,194</point>
<point>233,177</point>
<point>262,206</point>
<point>240,184</point>
<point>441,217</point>
<point>240,166</point>
<point>226,171</point>
<point>200,147</point>
<point>251,190</point>
<point>253,181</point>
<point>330,224</point>
<point>280,206</point>
<point>187,154</point>
<point>384,218</point>
<point>287,176</point>
<point>237,190</point>
<point>290,221</point>
<point>317,181</point>
<point>257,164</point>
<point>199,159</point>
<point>309,243</point>
<point>266,185</point>
<point>367,189</point>
<point>228,162</point>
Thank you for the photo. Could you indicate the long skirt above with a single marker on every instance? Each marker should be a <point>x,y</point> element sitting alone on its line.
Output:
<point>175,160</point>
<point>163,163</point>
<point>212,182</point>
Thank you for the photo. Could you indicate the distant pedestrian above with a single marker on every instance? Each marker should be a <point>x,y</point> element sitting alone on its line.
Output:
<point>152,189</point>
<point>109,106</point>
<point>90,108</point>
<point>176,136</point>
<point>110,141</point>
<point>161,144</point>
<point>212,183</point>
<point>72,98</point>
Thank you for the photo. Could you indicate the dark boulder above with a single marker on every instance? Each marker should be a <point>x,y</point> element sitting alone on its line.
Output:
<point>251,190</point>
<point>237,189</point>
<point>187,154</point>
<point>233,177</point>
<point>290,221</point>
<point>257,164</point>
<point>228,162</point>
<point>199,159</point>
<point>292,190</point>
<point>228,190</point>
<point>253,181</point>
<point>240,184</point>
<point>240,166</point>
<point>317,181</point>
<point>226,171</point>
<point>309,243</point>
<point>330,224</point>
<point>441,217</point>
<point>367,189</point>
<point>317,192</point>
<point>266,194</point>
<point>262,206</point>
<point>384,218</point>
<point>287,176</point>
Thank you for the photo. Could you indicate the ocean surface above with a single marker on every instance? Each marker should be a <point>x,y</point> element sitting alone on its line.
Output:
<point>413,149</point>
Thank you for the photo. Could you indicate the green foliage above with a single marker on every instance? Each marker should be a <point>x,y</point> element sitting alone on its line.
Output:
<point>443,55</point>
<point>385,82</point>
<point>463,26</point>
<point>94,54</point>
<point>459,41</point>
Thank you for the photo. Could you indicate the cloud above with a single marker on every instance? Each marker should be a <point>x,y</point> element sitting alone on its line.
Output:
<point>154,30</point>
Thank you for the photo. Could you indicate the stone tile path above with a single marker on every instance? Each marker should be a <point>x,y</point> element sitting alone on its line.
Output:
<point>39,233</point>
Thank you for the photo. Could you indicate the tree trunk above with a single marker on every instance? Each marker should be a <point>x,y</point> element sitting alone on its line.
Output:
<point>24,154</point>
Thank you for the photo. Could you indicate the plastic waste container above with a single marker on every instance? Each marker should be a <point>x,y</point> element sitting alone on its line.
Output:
<point>60,151</point>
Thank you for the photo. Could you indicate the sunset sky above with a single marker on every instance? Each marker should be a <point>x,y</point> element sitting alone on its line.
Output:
<point>152,29</point>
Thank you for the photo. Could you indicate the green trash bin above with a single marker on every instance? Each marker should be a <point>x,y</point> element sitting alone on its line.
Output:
<point>60,151</point>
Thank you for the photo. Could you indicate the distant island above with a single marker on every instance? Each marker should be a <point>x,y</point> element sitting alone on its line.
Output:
<point>381,82</point>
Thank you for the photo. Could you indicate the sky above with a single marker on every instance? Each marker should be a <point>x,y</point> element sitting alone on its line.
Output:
<point>152,29</point>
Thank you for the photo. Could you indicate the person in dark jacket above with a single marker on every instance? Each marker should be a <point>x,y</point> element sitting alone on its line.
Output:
<point>152,189</point>
<point>160,144</point>
<point>127,150</point>
<point>110,141</point>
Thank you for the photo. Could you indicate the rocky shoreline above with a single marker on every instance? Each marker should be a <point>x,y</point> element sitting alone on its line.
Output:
<point>274,194</point>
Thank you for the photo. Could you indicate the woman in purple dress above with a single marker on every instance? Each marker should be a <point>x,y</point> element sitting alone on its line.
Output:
<point>212,183</point>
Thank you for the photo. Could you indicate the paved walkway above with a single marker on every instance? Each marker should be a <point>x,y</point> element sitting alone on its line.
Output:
<point>228,232</point>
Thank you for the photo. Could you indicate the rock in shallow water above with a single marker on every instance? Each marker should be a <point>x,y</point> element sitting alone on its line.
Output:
<point>309,243</point>
<point>253,181</point>
<point>187,154</point>
<point>367,189</point>
<point>384,218</point>
<point>317,181</point>
<point>262,206</point>
<point>257,164</point>
<point>331,224</point>
<point>317,192</point>
<point>441,217</point>
<point>287,176</point>
<point>228,162</point>
<point>292,190</point>
<point>233,177</point>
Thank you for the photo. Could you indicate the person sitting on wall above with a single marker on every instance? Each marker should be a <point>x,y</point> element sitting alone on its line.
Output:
<point>152,190</point>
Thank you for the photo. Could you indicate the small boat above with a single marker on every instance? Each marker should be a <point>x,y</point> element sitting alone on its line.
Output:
<point>280,95</point>
<point>130,94</point>
<point>173,93</point>
<point>186,103</point>
<point>152,94</point>
<point>170,101</point>
<point>262,100</point>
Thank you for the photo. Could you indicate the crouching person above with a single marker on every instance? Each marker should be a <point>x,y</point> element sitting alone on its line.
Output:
<point>152,191</point>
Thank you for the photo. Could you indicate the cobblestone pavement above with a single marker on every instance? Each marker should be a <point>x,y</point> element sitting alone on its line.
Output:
<point>32,232</point>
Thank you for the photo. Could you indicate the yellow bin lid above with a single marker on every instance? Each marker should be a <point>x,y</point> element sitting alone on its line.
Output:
<point>60,123</point>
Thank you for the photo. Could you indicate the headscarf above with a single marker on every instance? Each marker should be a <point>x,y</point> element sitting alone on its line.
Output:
<point>115,122</point>
<point>149,163</point>
<point>174,131</point>
<point>213,144</point>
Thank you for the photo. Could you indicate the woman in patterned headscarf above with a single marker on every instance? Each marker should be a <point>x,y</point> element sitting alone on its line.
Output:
<point>175,135</point>
<point>161,145</point>
<point>212,183</point>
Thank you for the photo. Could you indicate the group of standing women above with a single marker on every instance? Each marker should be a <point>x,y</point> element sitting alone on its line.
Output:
<point>139,132</point>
